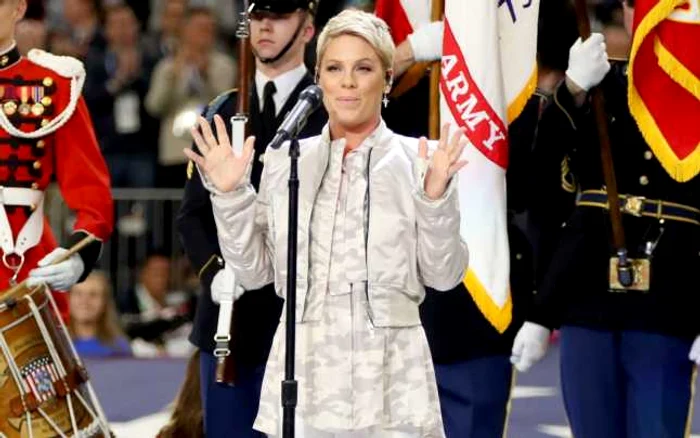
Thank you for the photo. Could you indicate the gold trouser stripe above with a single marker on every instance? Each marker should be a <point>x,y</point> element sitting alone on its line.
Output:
<point>509,405</point>
<point>691,404</point>
<point>206,265</point>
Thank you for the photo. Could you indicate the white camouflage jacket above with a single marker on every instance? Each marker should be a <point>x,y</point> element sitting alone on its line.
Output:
<point>411,241</point>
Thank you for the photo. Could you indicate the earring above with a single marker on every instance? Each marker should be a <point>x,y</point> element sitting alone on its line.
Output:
<point>385,100</point>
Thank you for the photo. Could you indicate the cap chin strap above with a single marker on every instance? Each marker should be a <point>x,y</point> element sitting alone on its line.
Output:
<point>284,50</point>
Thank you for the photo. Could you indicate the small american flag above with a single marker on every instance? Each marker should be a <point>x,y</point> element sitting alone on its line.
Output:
<point>40,376</point>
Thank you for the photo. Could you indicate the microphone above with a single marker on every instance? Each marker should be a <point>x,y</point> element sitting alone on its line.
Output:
<point>309,101</point>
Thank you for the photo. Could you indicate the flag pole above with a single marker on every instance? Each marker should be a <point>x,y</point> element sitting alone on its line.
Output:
<point>601,121</point>
<point>436,14</point>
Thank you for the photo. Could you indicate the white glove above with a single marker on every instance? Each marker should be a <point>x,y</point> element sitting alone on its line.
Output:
<point>588,62</point>
<point>224,282</point>
<point>529,346</point>
<point>694,354</point>
<point>60,277</point>
<point>426,41</point>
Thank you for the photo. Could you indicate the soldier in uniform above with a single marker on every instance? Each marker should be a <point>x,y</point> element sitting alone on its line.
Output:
<point>46,133</point>
<point>625,367</point>
<point>280,31</point>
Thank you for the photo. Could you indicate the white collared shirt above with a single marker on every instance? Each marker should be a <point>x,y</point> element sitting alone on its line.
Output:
<point>285,84</point>
<point>147,304</point>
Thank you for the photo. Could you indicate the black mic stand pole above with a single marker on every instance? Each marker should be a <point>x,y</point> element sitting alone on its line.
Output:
<point>289,385</point>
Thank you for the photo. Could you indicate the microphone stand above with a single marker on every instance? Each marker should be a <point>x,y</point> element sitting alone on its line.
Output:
<point>289,384</point>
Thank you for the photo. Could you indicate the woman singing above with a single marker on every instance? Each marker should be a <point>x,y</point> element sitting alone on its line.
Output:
<point>378,219</point>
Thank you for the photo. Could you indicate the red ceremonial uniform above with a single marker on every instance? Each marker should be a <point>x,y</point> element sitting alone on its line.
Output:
<point>31,96</point>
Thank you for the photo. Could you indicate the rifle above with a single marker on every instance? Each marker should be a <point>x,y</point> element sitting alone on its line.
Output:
<point>225,364</point>
<point>622,264</point>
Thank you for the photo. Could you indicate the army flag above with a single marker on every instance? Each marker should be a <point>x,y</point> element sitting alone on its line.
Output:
<point>488,72</point>
<point>664,82</point>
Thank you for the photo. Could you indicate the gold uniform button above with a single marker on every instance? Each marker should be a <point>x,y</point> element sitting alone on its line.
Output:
<point>648,155</point>
<point>518,256</point>
<point>46,101</point>
<point>4,60</point>
<point>40,144</point>
<point>35,186</point>
<point>37,165</point>
<point>9,107</point>
<point>47,82</point>
<point>44,122</point>
<point>643,180</point>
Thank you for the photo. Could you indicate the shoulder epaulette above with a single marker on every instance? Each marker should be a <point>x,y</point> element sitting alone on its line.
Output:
<point>65,66</point>
<point>216,103</point>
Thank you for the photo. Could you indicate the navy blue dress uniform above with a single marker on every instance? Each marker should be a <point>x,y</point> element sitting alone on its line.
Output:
<point>230,411</point>
<point>624,355</point>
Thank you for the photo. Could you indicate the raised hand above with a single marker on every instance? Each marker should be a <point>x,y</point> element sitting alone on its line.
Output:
<point>444,162</point>
<point>222,167</point>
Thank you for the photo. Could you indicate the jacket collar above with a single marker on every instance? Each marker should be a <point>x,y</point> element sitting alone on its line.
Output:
<point>375,139</point>
<point>10,57</point>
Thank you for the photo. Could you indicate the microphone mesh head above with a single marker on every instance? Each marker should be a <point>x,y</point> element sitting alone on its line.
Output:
<point>313,95</point>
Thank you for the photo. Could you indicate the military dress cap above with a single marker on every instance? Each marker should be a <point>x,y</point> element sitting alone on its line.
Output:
<point>282,6</point>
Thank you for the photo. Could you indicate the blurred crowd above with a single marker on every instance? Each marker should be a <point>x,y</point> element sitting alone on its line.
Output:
<point>150,319</point>
<point>152,65</point>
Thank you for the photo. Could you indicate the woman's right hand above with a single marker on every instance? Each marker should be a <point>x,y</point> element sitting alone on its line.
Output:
<point>222,167</point>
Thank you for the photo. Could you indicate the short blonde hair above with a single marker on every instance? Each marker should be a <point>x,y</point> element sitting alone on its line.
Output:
<point>361,24</point>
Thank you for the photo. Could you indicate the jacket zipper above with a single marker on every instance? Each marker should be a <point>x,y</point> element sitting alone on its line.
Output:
<point>369,212</point>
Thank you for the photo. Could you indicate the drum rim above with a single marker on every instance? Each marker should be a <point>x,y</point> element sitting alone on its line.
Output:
<point>38,288</point>
<point>21,319</point>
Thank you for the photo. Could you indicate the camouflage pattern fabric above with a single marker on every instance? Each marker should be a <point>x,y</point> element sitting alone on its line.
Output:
<point>352,376</point>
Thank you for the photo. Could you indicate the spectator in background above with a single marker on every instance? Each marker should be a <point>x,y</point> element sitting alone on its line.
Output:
<point>94,326</point>
<point>164,41</point>
<point>30,34</point>
<point>154,314</point>
<point>115,91</point>
<point>181,86</point>
<point>225,11</point>
<point>81,31</point>
<point>608,13</point>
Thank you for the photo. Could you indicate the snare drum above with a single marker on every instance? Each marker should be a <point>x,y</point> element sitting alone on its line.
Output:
<point>44,388</point>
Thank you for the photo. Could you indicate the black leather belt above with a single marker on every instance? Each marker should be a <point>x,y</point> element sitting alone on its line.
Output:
<point>641,206</point>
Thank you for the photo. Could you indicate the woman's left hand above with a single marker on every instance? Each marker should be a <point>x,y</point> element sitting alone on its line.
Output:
<point>444,162</point>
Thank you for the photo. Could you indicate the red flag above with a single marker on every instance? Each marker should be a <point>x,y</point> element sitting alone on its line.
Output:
<point>393,13</point>
<point>664,82</point>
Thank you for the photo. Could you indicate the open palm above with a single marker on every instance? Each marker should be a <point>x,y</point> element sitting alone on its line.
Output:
<point>222,167</point>
<point>444,162</point>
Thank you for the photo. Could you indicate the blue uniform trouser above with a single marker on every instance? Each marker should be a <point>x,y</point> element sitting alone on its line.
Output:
<point>229,411</point>
<point>626,384</point>
<point>474,396</point>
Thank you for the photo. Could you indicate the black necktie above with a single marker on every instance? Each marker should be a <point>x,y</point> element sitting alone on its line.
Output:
<point>269,112</point>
